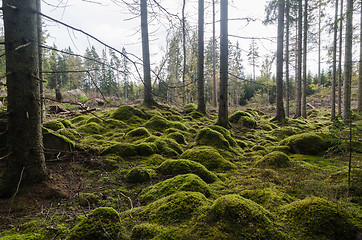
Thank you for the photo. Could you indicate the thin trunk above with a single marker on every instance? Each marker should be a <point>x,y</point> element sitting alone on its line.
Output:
<point>40,58</point>
<point>348,63</point>
<point>287,57</point>
<point>305,40</point>
<point>298,84</point>
<point>360,66</point>
<point>280,117</point>
<point>333,111</point>
<point>200,60</point>
<point>148,99</point>
<point>214,54</point>
<point>319,45</point>
<point>340,62</point>
<point>223,95</point>
<point>26,163</point>
<point>184,52</point>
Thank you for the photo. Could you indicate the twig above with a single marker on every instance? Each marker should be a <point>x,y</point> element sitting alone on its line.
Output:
<point>17,189</point>
<point>130,201</point>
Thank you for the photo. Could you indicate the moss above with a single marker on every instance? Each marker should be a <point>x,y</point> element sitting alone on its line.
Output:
<point>130,150</point>
<point>145,231</point>
<point>101,223</point>
<point>196,115</point>
<point>95,120</point>
<point>79,119</point>
<point>69,133</point>
<point>284,149</point>
<point>129,114</point>
<point>284,132</point>
<point>90,128</point>
<point>114,123</point>
<point>176,208</point>
<point>157,123</point>
<point>240,218</point>
<point>226,133</point>
<point>87,199</point>
<point>190,108</point>
<point>274,159</point>
<point>54,125</point>
<point>242,144</point>
<point>138,175</point>
<point>183,166</point>
<point>178,137</point>
<point>165,146</point>
<point>247,122</point>
<point>186,182</point>
<point>305,143</point>
<point>234,118</point>
<point>179,126</point>
<point>137,134</point>
<point>153,160</point>
<point>317,218</point>
<point>57,142</point>
<point>209,157</point>
<point>209,137</point>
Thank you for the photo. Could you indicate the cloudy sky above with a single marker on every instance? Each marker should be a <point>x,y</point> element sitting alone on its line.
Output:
<point>115,25</point>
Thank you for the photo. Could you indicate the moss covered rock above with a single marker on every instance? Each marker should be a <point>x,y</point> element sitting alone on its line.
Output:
<point>178,137</point>
<point>183,166</point>
<point>54,125</point>
<point>137,134</point>
<point>138,175</point>
<point>209,157</point>
<point>145,231</point>
<point>90,128</point>
<point>191,107</point>
<point>101,223</point>
<point>158,123</point>
<point>317,218</point>
<point>186,182</point>
<point>274,159</point>
<point>234,118</point>
<point>209,137</point>
<point>247,122</point>
<point>176,208</point>
<point>284,132</point>
<point>226,133</point>
<point>130,150</point>
<point>129,114</point>
<point>165,146</point>
<point>305,143</point>
<point>56,142</point>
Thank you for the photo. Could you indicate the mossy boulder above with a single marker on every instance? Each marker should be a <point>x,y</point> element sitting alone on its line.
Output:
<point>196,115</point>
<point>130,150</point>
<point>178,137</point>
<point>226,133</point>
<point>186,182</point>
<point>234,118</point>
<point>95,120</point>
<point>209,137</point>
<point>176,208</point>
<point>158,123</point>
<point>145,231</point>
<point>236,217</point>
<point>90,128</point>
<point>129,113</point>
<point>55,142</point>
<point>183,166</point>
<point>54,125</point>
<point>317,218</point>
<point>274,159</point>
<point>138,175</point>
<point>101,223</point>
<point>165,146</point>
<point>284,132</point>
<point>305,143</point>
<point>191,107</point>
<point>247,122</point>
<point>209,157</point>
<point>137,134</point>
<point>87,199</point>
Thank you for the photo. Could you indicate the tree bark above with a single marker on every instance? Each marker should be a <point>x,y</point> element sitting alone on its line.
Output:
<point>184,53</point>
<point>148,98</point>
<point>334,65</point>
<point>40,57</point>
<point>200,60</point>
<point>298,79</point>
<point>26,164</point>
<point>339,113</point>
<point>223,119</point>
<point>348,64</point>
<point>214,54</point>
<point>360,66</point>
<point>305,41</point>
<point>287,35</point>
<point>280,117</point>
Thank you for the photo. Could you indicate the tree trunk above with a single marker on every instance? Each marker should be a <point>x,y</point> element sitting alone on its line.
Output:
<point>334,65</point>
<point>40,57</point>
<point>200,60</point>
<point>305,40</point>
<point>148,99</point>
<point>348,64</point>
<point>184,53</point>
<point>340,62</point>
<point>280,117</point>
<point>287,34</point>
<point>214,54</point>
<point>26,162</point>
<point>319,45</point>
<point>298,79</point>
<point>223,119</point>
<point>360,67</point>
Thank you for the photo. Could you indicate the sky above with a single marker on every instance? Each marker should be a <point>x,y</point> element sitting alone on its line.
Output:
<point>118,27</point>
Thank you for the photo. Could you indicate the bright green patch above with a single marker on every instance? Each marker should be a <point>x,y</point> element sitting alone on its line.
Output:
<point>137,134</point>
<point>209,137</point>
<point>234,118</point>
<point>54,125</point>
<point>90,128</point>
<point>305,143</point>
<point>247,122</point>
<point>129,114</point>
<point>178,137</point>
<point>274,159</point>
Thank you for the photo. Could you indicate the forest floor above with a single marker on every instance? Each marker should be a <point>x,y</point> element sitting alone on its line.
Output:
<point>171,174</point>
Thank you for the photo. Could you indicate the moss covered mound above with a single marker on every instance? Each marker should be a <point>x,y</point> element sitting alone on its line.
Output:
<point>241,218</point>
<point>178,137</point>
<point>209,137</point>
<point>226,133</point>
<point>129,114</point>
<point>165,146</point>
<point>158,123</point>
<point>137,134</point>
<point>130,150</point>
<point>305,143</point>
<point>209,157</point>
<point>145,231</point>
<point>138,175</point>
<point>90,128</point>
<point>247,122</point>
<point>183,166</point>
<point>234,118</point>
<point>274,159</point>
<point>54,125</point>
<point>284,132</point>
<point>317,218</point>
<point>101,223</point>
<point>186,182</point>
<point>176,208</point>
<point>191,107</point>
